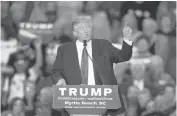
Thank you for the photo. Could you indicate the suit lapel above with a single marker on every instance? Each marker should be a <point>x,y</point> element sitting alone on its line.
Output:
<point>76,68</point>
<point>75,65</point>
<point>95,63</point>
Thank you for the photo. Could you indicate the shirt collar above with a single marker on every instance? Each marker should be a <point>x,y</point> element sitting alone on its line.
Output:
<point>81,43</point>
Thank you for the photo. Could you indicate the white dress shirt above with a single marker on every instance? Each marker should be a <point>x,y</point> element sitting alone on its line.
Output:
<point>80,47</point>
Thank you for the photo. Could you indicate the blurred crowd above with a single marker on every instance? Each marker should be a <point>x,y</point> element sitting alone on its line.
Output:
<point>32,31</point>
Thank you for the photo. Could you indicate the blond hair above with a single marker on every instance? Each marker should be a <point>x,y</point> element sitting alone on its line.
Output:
<point>81,19</point>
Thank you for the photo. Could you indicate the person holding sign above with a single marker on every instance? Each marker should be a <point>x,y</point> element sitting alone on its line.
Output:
<point>89,61</point>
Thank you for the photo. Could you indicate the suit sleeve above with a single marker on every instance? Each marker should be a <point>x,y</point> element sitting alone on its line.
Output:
<point>120,55</point>
<point>57,67</point>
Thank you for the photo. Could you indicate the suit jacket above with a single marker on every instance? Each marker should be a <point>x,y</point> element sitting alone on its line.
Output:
<point>104,54</point>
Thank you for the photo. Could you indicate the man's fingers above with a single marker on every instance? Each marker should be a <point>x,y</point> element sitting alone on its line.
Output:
<point>61,82</point>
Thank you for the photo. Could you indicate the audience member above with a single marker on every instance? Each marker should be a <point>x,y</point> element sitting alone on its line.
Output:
<point>16,108</point>
<point>170,100</point>
<point>132,95</point>
<point>132,104</point>
<point>63,28</point>
<point>131,111</point>
<point>165,102</point>
<point>139,78</point>
<point>7,48</point>
<point>20,65</point>
<point>158,42</point>
<point>149,107</point>
<point>112,6</point>
<point>100,22</point>
<point>160,77</point>
<point>165,8</point>
<point>51,11</point>
<point>44,104</point>
<point>167,26</point>
<point>116,31</point>
<point>17,9</point>
<point>38,12</point>
<point>7,22</point>
<point>26,68</point>
<point>141,9</point>
<point>67,10</point>
<point>142,43</point>
<point>144,97</point>
<point>51,52</point>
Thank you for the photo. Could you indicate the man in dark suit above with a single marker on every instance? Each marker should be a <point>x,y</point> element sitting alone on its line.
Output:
<point>90,61</point>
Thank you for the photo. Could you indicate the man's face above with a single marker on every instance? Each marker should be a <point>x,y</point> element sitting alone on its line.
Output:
<point>149,28</point>
<point>51,12</point>
<point>83,31</point>
<point>18,106</point>
<point>21,65</point>
<point>45,97</point>
<point>157,65</point>
<point>143,45</point>
<point>165,23</point>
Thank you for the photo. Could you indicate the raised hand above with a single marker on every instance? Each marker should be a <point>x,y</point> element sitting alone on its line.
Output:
<point>127,32</point>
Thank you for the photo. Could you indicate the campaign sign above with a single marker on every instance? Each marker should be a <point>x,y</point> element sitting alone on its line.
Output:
<point>30,30</point>
<point>87,98</point>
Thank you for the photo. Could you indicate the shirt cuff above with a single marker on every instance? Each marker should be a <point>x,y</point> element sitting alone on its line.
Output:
<point>129,42</point>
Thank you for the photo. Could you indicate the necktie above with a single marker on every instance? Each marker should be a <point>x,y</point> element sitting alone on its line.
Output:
<point>84,66</point>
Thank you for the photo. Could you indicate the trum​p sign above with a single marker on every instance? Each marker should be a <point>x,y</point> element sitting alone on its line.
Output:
<point>86,97</point>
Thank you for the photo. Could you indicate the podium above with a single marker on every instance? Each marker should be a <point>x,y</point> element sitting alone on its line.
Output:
<point>86,100</point>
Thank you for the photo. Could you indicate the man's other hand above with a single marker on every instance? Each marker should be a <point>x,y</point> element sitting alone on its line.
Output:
<point>127,32</point>
<point>61,82</point>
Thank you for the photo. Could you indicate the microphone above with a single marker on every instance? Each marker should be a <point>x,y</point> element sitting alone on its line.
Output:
<point>96,66</point>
